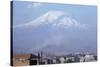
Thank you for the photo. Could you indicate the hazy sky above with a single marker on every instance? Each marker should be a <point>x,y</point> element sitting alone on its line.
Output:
<point>54,28</point>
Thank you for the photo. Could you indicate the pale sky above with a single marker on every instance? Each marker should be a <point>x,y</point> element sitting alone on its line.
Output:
<point>54,28</point>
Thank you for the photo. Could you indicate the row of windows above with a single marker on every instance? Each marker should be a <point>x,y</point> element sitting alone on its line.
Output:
<point>22,60</point>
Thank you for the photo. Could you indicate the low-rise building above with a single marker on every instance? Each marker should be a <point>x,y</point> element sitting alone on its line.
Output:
<point>25,60</point>
<point>89,58</point>
<point>21,59</point>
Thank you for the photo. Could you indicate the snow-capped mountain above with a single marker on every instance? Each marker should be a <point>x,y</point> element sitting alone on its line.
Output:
<point>51,32</point>
<point>55,18</point>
